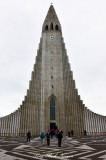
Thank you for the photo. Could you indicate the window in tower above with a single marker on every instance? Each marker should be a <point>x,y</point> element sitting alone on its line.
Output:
<point>51,26</point>
<point>51,60</point>
<point>51,77</point>
<point>56,27</point>
<point>52,109</point>
<point>46,27</point>
<point>52,86</point>
<point>52,68</point>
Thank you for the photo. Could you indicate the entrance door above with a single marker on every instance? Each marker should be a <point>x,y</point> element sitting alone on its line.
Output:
<point>53,126</point>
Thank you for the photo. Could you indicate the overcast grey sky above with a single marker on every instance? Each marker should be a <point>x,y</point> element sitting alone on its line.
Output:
<point>84,31</point>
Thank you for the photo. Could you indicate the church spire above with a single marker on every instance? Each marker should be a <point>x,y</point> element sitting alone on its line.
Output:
<point>51,21</point>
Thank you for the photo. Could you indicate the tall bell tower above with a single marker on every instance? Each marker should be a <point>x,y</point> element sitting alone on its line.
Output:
<point>52,87</point>
<point>52,100</point>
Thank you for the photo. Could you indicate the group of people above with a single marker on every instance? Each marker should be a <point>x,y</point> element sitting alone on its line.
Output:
<point>58,134</point>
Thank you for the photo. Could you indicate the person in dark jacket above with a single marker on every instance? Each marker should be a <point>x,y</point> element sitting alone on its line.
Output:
<point>85,133</point>
<point>48,138</point>
<point>72,132</point>
<point>69,134</point>
<point>59,136</point>
<point>28,136</point>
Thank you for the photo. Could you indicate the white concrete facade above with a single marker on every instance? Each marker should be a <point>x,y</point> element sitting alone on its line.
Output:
<point>52,99</point>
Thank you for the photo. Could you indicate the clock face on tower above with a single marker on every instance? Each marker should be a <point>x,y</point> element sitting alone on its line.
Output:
<point>52,37</point>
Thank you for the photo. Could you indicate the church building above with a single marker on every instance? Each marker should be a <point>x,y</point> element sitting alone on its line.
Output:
<point>52,100</point>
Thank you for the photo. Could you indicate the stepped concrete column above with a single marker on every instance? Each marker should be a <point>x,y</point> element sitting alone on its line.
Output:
<point>89,122</point>
<point>24,119</point>
<point>104,124</point>
<point>15,128</point>
<point>7,126</point>
<point>85,119</point>
<point>3,126</point>
<point>100,121</point>
<point>94,122</point>
<point>99,127</point>
<point>96,117</point>
<point>13,119</point>
<point>0,126</point>
<point>18,121</point>
<point>12,123</point>
<point>97,123</point>
<point>88,115</point>
<point>100,117</point>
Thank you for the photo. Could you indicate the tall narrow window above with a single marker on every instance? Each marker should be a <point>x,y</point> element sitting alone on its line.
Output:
<point>56,27</point>
<point>51,77</point>
<point>51,26</point>
<point>52,109</point>
<point>46,27</point>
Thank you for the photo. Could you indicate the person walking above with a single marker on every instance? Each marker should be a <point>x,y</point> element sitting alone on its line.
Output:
<point>28,136</point>
<point>48,138</point>
<point>85,133</point>
<point>69,134</point>
<point>72,133</point>
<point>42,136</point>
<point>59,136</point>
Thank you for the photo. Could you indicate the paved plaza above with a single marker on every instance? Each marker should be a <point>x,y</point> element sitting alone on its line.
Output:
<point>86,148</point>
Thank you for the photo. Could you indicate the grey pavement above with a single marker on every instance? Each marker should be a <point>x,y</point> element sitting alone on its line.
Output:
<point>88,148</point>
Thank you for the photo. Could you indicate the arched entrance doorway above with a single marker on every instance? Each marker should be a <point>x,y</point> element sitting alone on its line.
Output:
<point>53,125</point>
